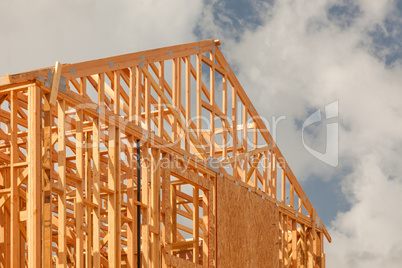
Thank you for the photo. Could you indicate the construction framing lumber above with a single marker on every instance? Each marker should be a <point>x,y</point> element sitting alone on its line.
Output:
<point>55,83</point>
<point>208,175</point>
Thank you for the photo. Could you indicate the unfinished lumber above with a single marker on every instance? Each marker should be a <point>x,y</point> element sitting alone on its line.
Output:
<point>211,193</point>
<point>34,185</point>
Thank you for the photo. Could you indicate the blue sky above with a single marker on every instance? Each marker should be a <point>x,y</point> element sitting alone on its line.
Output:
<point>292,58</point>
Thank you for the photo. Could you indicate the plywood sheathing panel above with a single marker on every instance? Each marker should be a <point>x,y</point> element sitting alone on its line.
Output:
<point>247,228</point>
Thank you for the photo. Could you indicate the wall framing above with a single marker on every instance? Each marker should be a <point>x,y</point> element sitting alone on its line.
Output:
<point>68,165</point>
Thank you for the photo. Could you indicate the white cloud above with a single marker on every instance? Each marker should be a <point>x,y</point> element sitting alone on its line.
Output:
<point>299,61</point>
<point>369,234</point>
<point>35,34</point>
<point>374,11</point>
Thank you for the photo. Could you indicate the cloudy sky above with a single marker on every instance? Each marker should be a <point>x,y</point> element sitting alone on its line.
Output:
<point>293,57</point>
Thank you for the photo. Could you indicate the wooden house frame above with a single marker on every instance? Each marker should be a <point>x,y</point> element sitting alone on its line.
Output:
<point>215,188</point>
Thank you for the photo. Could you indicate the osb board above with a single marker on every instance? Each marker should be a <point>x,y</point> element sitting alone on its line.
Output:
<point>247,228</point>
